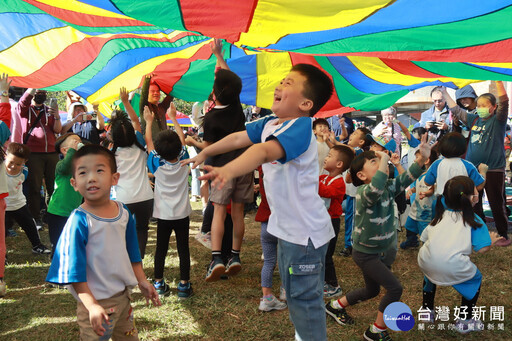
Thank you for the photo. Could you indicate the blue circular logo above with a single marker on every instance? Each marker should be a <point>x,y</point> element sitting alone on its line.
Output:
<point>398,317</point>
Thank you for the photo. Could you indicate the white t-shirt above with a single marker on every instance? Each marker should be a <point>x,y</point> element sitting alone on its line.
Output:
<point>99,251</point>
<point>291,183</point>
<point>16,199</point>
<point>445,169</point>
<point>444,258</point>
<point>171,188</point>
<point>133,185</point>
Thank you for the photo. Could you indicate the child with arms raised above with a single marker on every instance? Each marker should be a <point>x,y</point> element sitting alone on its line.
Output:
<point>449,240</point>
<point>284,143</point>
<point>97,255</point>
<point>172,204</point>
<point>374,233</point>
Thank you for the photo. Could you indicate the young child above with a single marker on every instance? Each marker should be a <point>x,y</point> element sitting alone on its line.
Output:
<point>420,213</point>
<point>321,131</point>
<point>97,256</point>
<point>449,240</point>
<point>133,188</point>
<point>172,205</point>
<point>269,247</point>
<point>360,142</point>
<point>374,233</point>
<point>225,118</point>
<point>332,190</point>
<point>284,143</point>
<point>16,203</point>
<point>64,198</point>
<point>452,146</point>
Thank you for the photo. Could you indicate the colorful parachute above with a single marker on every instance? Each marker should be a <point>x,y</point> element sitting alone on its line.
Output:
<point>375,50</point>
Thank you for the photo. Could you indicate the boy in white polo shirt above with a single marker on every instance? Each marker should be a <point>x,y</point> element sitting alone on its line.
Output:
<point>284,143</point>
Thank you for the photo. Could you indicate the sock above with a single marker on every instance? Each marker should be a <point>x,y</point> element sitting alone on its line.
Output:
<point>337,304</point>
<point>235,252</point>
<point>377,329</point>
<point>268,297</point>
<point>216,254</point>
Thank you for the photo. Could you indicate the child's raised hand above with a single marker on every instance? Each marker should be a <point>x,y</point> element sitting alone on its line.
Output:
<point>123,94</point>
<point>395,159</point>
<point>171,111</point>
<point>495,237</point>
<point>382,156</point>
<point>425,147</point>
<point>96,316</point>
<point>342,121</point>
<point>216,47</point>
<point>149,292</point>
<point>148,115</point>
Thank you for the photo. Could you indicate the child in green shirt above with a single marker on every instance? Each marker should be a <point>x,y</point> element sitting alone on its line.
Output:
<point>64,198</point>
<point>373,233</point>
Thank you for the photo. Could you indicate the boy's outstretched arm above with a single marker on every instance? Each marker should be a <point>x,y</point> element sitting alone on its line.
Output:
<point>123,93</point>
<point>146,288</point>
<point>148,136</point>
<point>96,312</point>
<point>247,162</point>
<point>171,112</point>
<point>216,47</point>
<point>231,142</point>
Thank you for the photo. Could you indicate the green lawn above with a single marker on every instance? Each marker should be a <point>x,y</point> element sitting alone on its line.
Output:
<point>228,310</point>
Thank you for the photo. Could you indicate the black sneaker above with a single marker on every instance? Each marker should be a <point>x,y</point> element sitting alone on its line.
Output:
<point>340,315</point>
<point>162,288</point>
<point>185,290</point>
<point>234,265</point>
<point>371,336</point>
<point>215,270</point>
<point>346,252</point>
<point>41,250</point>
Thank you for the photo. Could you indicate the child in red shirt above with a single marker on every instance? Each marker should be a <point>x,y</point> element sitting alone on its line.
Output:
<point>332,190</point>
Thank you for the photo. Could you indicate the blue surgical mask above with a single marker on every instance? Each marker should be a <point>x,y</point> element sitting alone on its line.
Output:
<point>483,112</point>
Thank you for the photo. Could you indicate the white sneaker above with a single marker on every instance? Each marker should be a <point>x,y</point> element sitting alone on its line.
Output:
<point>282,294</point>
<point>3,288</point>
<point>272,304</point>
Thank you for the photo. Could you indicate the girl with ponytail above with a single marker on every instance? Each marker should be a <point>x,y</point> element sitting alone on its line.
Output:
<point>454,233</point>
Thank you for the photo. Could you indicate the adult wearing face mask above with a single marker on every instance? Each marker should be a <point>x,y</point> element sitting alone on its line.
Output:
<point>41,124</point>
<point>486,145</point>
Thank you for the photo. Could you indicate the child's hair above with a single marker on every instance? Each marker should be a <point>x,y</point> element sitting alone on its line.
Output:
<point>168,145</point>
<point>60,141</point>
<point>456,194</point>
<point>358,164</point>
<point>490,97</point>
<point>452,145</point>
<point>227,87</point>
<point>419,131</point>
<point>321,121</point>
<point>318,86</point>
<point>94,149</point>
<point>345,154</point>
<point>122,132</point>
<point>18,150</point>
<point>433,156</point>
<point>367,139</point>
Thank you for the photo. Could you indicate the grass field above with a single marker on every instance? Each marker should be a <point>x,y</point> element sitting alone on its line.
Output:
<point>228,310</point>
